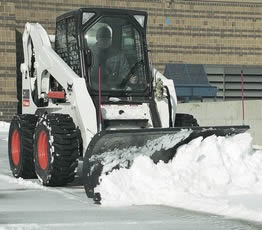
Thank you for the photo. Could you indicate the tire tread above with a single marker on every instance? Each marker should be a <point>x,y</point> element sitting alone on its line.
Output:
<point>26,124</point>
<point>66,149</point>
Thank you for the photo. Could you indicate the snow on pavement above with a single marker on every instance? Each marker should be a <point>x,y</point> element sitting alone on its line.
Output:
<point>4,126</point>
<point>37,186</point>
<point>220,175</point>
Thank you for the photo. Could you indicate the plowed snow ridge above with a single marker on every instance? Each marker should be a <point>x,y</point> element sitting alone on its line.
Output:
<point>210,175</point>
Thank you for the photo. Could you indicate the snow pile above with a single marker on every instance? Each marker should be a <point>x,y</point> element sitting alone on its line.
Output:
<point>4,126</point>
<point>206,175</point>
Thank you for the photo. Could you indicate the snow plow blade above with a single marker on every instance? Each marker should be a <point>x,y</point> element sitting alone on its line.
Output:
<point>114,149</point>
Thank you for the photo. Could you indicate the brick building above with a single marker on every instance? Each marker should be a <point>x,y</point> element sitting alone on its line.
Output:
<point>223,32</point>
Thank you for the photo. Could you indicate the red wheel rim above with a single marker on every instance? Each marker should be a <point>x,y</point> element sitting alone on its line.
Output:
<point>42,150</point>
<point>15,147</point>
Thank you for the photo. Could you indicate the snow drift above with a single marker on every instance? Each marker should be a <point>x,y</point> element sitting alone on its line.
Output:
<point>206,175</point>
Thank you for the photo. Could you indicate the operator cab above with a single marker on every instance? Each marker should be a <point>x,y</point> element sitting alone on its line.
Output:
<point>107,47</point>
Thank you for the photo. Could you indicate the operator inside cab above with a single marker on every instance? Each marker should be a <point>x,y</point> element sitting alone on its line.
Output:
<point>117,56</point>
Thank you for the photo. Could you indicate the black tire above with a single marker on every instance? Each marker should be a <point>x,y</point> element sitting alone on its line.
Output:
<point>57,147</point>
<point>20,144</point>
<point>185,120</point>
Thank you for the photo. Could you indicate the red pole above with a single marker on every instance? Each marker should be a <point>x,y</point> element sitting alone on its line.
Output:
<point>242,92</point>
<point>99,99</point>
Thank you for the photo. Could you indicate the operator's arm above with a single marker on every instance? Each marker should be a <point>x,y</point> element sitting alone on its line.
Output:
<point>124,66</point>
<point>117,68</point>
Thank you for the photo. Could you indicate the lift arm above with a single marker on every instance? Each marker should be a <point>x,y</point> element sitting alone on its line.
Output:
<point>81,106</point>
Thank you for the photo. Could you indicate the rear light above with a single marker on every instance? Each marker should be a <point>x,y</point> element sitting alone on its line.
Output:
<point>26,102</point>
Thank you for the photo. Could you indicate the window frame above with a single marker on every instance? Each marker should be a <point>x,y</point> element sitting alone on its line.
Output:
<point>88,25</point>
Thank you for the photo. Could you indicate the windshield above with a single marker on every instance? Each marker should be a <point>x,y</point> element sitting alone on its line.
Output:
<point>117,55</point>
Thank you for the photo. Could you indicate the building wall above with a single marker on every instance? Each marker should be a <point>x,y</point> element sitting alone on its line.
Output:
<point>189,31</point>
<point>229,113</point>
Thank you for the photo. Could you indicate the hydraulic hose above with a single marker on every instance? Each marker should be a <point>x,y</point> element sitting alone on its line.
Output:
<point>169,106</point>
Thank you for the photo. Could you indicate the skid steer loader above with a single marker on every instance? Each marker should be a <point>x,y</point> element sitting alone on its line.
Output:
<point>90,93</point>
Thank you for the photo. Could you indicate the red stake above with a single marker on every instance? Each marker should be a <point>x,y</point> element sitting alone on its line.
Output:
<point>242,92</point>
<point>99,99</point>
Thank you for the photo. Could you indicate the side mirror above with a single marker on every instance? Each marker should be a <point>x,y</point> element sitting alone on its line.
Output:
<point>88,57</point>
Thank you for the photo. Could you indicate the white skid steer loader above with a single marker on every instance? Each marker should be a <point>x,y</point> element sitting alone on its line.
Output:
<point>94,96</point>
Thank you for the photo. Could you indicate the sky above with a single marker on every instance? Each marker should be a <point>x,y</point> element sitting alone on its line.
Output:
<point>219,175</point>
